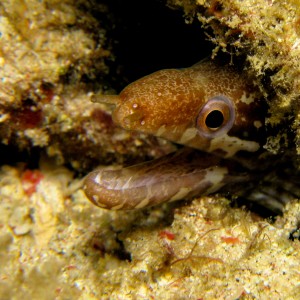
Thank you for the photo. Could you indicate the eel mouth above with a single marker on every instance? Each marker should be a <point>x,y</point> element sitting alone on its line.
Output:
<point>180,175</point>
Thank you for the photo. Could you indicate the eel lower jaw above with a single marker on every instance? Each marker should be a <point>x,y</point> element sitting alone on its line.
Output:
<point>180,175</point>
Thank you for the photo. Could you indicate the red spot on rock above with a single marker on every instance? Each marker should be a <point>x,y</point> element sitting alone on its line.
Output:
<point>103,119</point>
<point>167,234</point>
<point>27,118</point>
<point>71,267</point>
<point>30,179</point>
<point>230,239</point>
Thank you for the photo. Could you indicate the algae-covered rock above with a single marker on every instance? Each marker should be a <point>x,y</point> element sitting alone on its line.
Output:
<point>267,34</point>
<point>50,53</point>
<point>73,249</point>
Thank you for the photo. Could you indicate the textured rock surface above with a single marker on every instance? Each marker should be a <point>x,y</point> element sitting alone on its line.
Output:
<point>54,243</point>
<point>50,52</point>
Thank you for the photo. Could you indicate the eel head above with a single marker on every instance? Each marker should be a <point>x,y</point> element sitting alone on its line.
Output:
<point>210,108</point>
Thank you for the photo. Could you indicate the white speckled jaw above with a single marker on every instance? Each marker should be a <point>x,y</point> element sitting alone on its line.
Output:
<point>231,145</point>
<point>185,136</point>
<point>177,134</point>
<point>188,135</point>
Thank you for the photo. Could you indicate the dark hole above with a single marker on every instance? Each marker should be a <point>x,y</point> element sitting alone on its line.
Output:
<point>148,36</point>
<point>294,235</point>
<point>214,119</point>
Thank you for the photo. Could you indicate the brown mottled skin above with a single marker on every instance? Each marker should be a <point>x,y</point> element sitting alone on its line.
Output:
<point>174,98</point>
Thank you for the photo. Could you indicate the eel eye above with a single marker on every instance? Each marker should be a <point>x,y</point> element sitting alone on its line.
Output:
<point>216,117</point>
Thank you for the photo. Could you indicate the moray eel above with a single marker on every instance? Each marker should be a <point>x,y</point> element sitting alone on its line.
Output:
<point>212,110</point>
